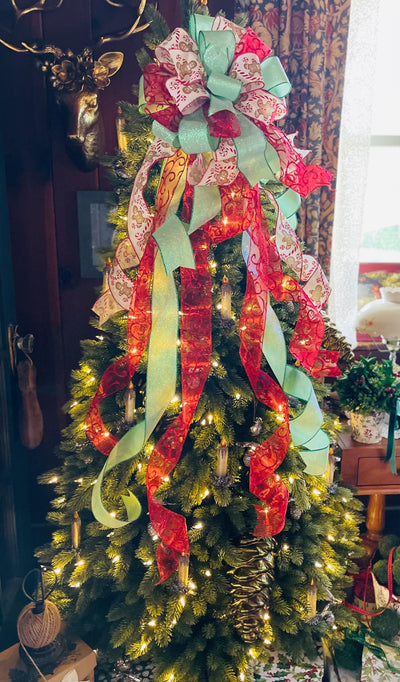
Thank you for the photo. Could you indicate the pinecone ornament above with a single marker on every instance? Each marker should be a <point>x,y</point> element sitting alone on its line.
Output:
<point>334,340</point>
<point>250,582</point>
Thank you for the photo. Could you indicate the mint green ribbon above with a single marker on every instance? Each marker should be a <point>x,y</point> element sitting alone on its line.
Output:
<point>275,78</point>
<point>160,389</point>
<point>174,245</point>
<point>289,202</point>
<point>391,445</point>
<point>305,429</point>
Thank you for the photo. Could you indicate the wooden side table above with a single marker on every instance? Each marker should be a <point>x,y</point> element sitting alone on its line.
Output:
<point>363,466</point>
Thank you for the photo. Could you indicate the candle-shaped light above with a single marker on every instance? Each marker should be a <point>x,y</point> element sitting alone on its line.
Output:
<point>121,134</point>
<point>106,271</point>
<point>222,460</point>
<point>330,472</point>
<point>226,299</point>
<point>76,531</point>
<point>312,599</point>
<point>183,570</point>
<point>130,404</point>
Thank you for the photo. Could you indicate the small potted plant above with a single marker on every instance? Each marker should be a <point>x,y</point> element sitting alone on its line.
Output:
<point>368,389</point>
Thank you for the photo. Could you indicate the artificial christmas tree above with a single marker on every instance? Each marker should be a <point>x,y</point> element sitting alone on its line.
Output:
<point>191,560</point>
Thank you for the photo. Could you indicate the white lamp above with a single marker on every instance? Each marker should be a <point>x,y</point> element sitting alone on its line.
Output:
<point>382,318</point>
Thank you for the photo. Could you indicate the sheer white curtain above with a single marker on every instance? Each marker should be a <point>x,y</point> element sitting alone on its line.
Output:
<point>352,171</point>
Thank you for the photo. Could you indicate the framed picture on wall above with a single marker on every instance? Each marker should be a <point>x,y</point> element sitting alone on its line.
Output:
<point>371,277</point>
<point>95,232</point>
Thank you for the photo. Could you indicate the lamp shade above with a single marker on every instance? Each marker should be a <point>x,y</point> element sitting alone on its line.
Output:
<point>382,316</point>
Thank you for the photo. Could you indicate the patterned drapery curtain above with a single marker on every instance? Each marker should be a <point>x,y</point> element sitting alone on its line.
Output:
<point>310,37</point>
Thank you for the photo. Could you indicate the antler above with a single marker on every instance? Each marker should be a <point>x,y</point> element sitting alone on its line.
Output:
<point>135,28</point>
<point>39,6</point>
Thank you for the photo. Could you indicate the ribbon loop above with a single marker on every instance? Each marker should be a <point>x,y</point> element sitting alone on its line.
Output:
<point>216,49</point>
<point>275,78</point>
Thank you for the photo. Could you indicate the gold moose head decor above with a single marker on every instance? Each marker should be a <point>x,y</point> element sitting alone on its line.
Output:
<point>77,79</point>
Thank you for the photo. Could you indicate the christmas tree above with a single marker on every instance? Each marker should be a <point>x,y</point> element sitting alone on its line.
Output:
<point>206,535</point>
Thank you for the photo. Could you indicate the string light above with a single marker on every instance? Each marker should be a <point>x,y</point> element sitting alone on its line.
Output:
<point>267,641</point>
<point>210,418</point>
<point>198,525</point>
<point>344,499</point>
<point>80,563</point>
<point>207,573</point>
<point>115,559</point>
<point>215,363</point>
<point>285,547</point>
<point>266,616</point>
<point>175,399</point>
<point>192,585</point>
<point>113,514</point>
<point>182,601</point>
<point>110,534</point>
<point>152,623</point>
<point>206,492</point>
<point>317,564</point>
<point>57,571</point>
<point>74,404</point>
<point>75,584</point>
<point>53,480</point>
<point>241,676</point>
<point>251,653</point>
<point>316,492</point>
<point>203,422</point>
<point>148,563</point>
<point>330,538</point>
<point>78,480</point>
<point>237,396</point>
<point>291,479</point>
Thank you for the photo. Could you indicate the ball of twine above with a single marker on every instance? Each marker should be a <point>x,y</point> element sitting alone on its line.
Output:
<point>36,630</point>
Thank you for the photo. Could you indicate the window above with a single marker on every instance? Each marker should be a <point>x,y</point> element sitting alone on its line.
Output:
<point>367,207</point>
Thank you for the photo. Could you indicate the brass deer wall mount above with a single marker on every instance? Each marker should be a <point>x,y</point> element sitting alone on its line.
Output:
<point>76,80</point>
